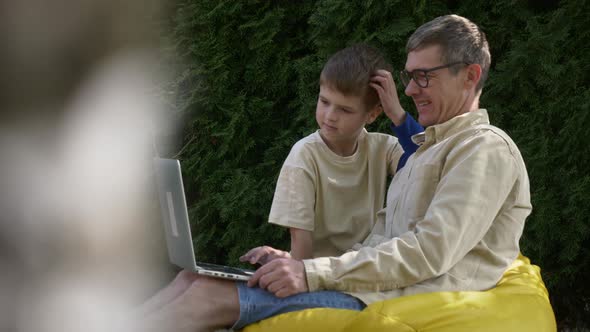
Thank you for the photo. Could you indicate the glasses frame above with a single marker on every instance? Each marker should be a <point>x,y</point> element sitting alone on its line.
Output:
<point>410,75</point>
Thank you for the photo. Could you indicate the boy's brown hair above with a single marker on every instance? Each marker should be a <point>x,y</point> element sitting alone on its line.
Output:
<point>349,72</point>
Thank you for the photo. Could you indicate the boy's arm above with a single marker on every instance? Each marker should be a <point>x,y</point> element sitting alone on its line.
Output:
<point>301,244</point>
<point>292,207</point>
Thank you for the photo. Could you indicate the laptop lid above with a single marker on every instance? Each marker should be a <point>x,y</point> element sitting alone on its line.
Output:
<point>177,227</point>
<point>175,213</point>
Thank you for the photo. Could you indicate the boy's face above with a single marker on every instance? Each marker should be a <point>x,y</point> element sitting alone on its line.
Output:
<point>341,118</point>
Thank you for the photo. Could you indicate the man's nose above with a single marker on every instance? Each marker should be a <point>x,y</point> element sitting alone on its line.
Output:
<point>412,88</point>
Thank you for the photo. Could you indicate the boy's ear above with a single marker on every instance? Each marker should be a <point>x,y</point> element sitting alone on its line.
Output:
<point>374,113</point>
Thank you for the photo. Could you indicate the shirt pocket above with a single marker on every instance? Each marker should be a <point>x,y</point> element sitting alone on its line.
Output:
<point>419,192</point>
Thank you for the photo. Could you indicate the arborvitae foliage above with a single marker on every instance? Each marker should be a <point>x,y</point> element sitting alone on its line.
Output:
<point>240,87</point>
<point>539,92</point>
<point>250,84</point>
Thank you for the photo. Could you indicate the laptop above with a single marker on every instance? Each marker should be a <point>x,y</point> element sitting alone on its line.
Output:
<point>177,227</point>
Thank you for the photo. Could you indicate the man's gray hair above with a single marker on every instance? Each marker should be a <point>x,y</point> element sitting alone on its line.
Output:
<point>460,40</point>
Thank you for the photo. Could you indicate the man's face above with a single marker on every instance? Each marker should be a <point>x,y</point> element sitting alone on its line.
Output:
<point>446,94</point>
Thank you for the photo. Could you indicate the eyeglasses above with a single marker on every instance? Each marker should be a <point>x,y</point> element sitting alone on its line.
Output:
<point>420,76</point>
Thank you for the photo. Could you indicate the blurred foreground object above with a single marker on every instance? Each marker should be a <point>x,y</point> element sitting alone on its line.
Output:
<point>80,241</point>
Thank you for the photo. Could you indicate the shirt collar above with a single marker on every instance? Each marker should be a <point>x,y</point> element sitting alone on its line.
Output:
<point>439,132</point>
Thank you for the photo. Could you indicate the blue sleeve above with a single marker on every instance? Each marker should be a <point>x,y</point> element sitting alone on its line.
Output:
<point>404,133</point>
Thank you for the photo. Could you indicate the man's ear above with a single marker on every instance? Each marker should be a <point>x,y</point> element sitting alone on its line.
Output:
<point>473,75</point>
<point>374,113</point>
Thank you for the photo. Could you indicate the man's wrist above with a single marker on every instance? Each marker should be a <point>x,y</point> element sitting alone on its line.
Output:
<point>399,118</point>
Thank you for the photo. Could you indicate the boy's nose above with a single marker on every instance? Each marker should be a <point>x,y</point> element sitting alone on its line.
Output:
<point>331,115</point>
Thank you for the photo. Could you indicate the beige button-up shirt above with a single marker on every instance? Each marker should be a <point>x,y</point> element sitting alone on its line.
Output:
<point>453,220</point>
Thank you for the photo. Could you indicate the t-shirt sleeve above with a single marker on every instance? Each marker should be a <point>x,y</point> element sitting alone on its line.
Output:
<point>293,203</point>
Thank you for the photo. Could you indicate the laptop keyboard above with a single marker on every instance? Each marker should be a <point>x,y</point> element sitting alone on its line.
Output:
<point>226,269</point>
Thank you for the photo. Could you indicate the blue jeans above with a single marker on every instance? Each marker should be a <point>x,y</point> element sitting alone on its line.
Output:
<point>257,304</point>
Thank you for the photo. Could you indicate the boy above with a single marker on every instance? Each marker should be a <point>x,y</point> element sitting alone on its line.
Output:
<point>333,182</point>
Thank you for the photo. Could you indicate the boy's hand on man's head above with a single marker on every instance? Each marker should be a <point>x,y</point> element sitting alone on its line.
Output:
<point>263,255</point>
<point>383,83</point>
<point>283,277</point>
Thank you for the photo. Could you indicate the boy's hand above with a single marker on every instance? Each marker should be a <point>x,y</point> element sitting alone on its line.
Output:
<point>383,83</point>
<point>282,277</point>
<point>263,255</point>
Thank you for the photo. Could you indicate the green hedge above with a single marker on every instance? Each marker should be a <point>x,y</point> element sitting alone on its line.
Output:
<point>248,92</point>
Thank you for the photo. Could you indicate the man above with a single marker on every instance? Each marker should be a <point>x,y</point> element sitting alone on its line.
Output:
<point>454,213</point>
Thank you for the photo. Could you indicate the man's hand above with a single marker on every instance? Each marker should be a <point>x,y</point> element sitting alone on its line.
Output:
<point>383,83</point>
<point>263,255</point>
<point>283,277</point>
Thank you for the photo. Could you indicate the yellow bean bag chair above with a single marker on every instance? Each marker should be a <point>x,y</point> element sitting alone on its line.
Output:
<point>519,302</point>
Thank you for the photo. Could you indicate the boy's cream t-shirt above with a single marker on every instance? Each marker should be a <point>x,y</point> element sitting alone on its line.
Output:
<point>335,197</point>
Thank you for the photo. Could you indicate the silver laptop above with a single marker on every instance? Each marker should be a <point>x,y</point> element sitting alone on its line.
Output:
<point>177,227</point>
